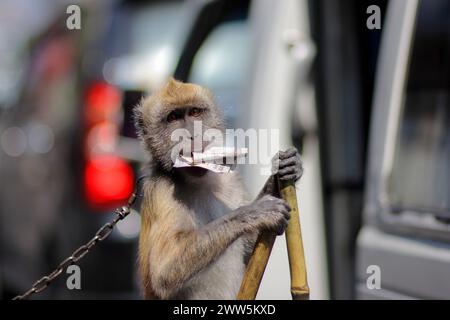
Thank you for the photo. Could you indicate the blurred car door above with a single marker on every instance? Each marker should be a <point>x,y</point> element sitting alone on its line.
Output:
<point>405,240</point>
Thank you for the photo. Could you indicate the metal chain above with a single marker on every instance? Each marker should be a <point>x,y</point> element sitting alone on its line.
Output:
<point>79,253</point>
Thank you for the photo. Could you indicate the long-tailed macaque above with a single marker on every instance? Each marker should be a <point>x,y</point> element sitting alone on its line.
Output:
<point>198,227</point>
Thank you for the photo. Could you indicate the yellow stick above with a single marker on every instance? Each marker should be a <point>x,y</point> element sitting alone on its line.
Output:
<point>256,266</point>
<point>260,256</point>
<point>297,265</point>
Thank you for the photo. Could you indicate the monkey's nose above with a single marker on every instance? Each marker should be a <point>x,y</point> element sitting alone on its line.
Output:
<point>199,146</point>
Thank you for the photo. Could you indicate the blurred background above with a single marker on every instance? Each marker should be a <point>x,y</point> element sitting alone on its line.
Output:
<point>369,110</point>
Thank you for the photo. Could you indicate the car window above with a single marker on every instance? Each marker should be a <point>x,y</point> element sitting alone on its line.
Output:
<point>221,65</point>
<point>421,170</point>
<point>144,43</point>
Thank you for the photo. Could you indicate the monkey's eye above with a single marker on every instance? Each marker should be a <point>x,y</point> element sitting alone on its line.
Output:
<point>174,116</point>
<point>195,112</point>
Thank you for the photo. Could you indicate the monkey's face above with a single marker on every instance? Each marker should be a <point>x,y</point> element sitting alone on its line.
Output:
<point>174,119</point>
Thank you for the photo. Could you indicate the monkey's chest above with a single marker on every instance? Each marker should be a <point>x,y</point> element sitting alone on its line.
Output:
<point>221,279</point>
<point>205,209</point>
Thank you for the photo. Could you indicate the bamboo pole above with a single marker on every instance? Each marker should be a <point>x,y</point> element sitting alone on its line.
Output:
<point>260,256</point>
<point>256,266</point>
<point>297,265</point>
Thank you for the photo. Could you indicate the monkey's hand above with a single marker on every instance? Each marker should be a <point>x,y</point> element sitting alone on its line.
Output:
<point>288,165</point>
<point>266,213</point>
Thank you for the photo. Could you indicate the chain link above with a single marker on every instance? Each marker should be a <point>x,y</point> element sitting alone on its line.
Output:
<point>79,253</point>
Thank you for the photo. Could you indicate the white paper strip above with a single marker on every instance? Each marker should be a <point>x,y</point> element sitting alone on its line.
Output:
<point>205,160</point>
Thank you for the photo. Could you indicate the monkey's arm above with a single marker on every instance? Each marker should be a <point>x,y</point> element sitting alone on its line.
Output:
<point>270,187</point>
<point>286,165</point>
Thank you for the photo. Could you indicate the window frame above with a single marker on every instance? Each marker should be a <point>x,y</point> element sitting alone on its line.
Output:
<point>389,103</point>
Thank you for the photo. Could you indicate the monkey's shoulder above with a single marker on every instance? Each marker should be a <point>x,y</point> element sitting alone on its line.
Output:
<point>155,184</point>
<point>158,199</point>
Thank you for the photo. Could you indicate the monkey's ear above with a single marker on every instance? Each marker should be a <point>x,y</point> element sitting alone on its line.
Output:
<point>173,81</point>
<point>173,84</point>
<point>138,118</point>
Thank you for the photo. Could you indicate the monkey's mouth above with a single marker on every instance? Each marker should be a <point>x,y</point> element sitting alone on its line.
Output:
<point>189,149</point>
<point>193,148</point>
<point>186,165</point>
<point>194,171</point>
<point>186,153</point>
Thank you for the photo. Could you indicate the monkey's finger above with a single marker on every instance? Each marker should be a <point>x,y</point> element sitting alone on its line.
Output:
<point>292,161</point>
<point>285,211</point>
<point>277,155</point>
<point>288,170</point>
<point>284,204</point>
<point>282,228</point>
<point>289,177</point>
<point>287,215</point>
<point>288,153</point>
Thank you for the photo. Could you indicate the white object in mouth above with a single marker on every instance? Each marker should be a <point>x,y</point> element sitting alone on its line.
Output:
<point>201,159</point>
<point>219,153</point>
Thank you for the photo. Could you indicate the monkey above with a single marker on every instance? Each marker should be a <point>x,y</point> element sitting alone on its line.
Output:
<point>198,227</point>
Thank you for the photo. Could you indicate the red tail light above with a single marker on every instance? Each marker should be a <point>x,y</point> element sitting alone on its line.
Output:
<point>102,103</point>
<point>108,181</point>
